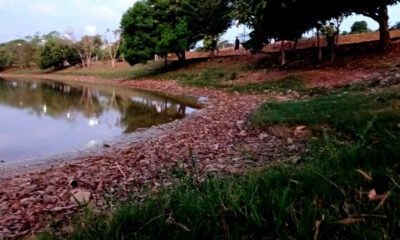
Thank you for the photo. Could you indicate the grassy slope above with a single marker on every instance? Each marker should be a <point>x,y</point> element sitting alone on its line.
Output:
<point>356,130</point>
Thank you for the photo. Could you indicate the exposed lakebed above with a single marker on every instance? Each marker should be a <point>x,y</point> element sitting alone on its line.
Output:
<point>43,118</point>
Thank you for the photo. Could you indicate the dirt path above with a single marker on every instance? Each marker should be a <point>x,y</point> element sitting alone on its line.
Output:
<point>218,138</point>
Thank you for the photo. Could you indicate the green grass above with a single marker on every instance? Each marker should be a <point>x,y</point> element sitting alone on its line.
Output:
<point>285,201</point>
<point>106,72</point>
<point>283,85</point>
<point>347,112</point>
<point>223,79</point>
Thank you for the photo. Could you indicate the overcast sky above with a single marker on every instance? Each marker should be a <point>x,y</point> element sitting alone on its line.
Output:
<point>19,18</point>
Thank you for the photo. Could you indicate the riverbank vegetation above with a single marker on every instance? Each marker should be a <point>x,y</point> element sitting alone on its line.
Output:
<point>339,178</point>
<point>344,186</point>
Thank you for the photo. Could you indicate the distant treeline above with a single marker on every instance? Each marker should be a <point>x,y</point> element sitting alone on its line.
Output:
<point>160,27</point>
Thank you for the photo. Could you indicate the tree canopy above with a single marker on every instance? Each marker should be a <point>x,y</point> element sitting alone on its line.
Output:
<point>288,19</point>
<point>359,27</point>
<point>172,26</point>
<point>56,52</point>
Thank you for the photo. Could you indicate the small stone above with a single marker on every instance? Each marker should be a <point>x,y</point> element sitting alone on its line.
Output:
<point>300,131</point>
<point>50,189</point>
<point>50,199</point>
<point>80,196</point>
<point>106,145</point>
<point>239,123</point>
<point>289,141</point>
<point>292,148</point>
<point>295,94</point>
<point>243,133</point>
<point>385,81</point>
<point>262,136</point>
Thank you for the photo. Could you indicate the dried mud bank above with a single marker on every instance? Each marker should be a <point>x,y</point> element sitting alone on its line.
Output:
<point>218,137</point>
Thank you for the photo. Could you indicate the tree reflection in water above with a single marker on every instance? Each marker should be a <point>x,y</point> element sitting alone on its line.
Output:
<point>103,111</point>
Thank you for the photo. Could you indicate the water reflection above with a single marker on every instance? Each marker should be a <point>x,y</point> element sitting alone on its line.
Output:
<point>43,118</point>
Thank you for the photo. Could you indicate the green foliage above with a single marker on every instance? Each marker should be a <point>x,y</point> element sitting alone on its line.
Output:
<point>169,26</point>
<point>138,26</point>
<point>281,202</point>
<point>292,83</point>
<point>55,52</point>
<point>3,62</point>
<point>396,26</point>
<point>343,112</point>
<point>288,20</point>
<point>359,27</point>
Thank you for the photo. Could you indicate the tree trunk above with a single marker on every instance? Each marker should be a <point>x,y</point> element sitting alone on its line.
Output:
<point>166,61</point>
<point>113,63</point>
<point>283,53</point>
<point>319,46</point>
<point>213,54</point>
<point>384,33</point>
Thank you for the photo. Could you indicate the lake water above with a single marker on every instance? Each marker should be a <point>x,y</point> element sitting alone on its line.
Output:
<point>41,118</point>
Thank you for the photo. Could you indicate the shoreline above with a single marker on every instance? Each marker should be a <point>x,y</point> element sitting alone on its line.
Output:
<point>217,137</point>
<point>20,167</point>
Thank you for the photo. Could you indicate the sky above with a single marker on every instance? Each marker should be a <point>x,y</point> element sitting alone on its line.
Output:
<point>20,18</point>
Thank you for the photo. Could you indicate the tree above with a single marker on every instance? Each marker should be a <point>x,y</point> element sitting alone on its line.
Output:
<point>396,26</point>
<point>171,26</point>
<point>86,47</point>
<point>56,52</point>
<point>112,46</point>
<point>213,18</point>
<point>377,10</point>
<point>211,44</point>
<point>225,44</point>
<point>359,27</point>
<point>138,32</point>
<point>176,27</point>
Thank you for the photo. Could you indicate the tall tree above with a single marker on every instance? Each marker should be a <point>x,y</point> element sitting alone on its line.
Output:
<point>138,33</point>
<point>377,10</point>
<point>86,47</point>
<point>171,26</point>
<point>56,52</point>
<point>213,18</point>
<point>112,44</point>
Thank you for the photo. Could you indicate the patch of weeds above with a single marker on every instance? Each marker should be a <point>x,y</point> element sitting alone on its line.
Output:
<point>210,77</point>
<point>293,83</point>
<point>282,202</point>
<point>344,112</point>
<point>234,76</point>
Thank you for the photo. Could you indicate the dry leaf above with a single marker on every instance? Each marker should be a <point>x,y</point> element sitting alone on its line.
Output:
<point>365,175</point>
<point>383,198</point>
<point>372,194</point>
<point>80,196</point>
<point>349,221</point>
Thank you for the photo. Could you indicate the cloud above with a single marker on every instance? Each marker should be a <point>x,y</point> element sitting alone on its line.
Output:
<point>92,11</point>
<point>91,29</point>
<point>44,9</point>
<point>4,4</point>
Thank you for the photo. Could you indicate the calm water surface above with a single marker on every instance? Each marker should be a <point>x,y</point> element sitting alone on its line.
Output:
<point>39,119</point>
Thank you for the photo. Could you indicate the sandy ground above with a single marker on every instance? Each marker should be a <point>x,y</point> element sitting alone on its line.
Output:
<point>217,137</point>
